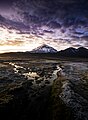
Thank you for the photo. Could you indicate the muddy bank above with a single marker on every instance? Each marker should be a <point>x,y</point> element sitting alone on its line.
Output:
<point>75,89</point>
<point>25,90</point>
<point>26,103</point>
<point>59,110</point>
<point>69,94</point>
<point>46,91</point>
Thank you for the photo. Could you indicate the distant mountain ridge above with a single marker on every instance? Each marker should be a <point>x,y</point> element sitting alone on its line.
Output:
<point>69,52</point>
<point>44,49</point>
<point>48,51</point>
<point>73,52</point>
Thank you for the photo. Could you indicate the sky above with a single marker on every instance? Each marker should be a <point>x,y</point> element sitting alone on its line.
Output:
<point>27,24</point>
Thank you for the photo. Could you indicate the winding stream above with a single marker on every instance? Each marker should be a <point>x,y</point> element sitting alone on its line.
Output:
<point>74,89</point>
<point>33,75</point>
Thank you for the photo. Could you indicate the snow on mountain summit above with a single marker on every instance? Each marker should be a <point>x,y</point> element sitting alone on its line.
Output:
<point>44,49</point>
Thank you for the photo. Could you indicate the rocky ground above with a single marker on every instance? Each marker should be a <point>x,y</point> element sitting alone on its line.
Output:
<point>46,89</point>
<point>75,89</point>
<point>25,89</point>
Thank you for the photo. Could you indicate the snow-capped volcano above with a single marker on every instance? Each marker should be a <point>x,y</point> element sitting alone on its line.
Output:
<point>44,49</point>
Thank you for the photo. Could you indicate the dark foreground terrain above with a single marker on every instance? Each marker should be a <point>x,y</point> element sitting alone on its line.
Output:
<point>43,89</point>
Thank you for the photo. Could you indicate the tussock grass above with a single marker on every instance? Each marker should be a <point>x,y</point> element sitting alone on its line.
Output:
<point>5,98</point>
<point>85,76</point>
<point>59,111</point>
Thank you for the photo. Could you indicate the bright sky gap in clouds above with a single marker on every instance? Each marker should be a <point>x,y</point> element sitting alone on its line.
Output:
<point>26,24</point>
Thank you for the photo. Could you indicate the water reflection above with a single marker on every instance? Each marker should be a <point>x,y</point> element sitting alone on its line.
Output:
<point>31,74</point>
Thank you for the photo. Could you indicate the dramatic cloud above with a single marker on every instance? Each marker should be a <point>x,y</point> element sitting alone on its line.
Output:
<point>26,24</point>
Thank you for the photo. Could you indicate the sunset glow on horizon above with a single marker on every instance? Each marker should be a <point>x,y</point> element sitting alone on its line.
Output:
<point>13,41</point>
<point>25,25</point>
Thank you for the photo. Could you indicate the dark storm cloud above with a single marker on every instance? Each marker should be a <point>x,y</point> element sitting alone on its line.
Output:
<point>41,11</point>
<point>77,45</point>
<point>6,3</point>
<point>13,24</point>
<point>54,24</point>
<point>48,31</point>
<point>53,13</point>
<point>59,21</point>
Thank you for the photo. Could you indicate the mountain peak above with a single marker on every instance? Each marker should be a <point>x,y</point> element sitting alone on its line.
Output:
<point>82,48</point>
<point>43,45</point>
<point>44,49</point>
<point>73,52</point>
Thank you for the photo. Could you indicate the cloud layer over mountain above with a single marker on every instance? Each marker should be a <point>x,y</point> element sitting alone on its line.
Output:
<point>59,23</point>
